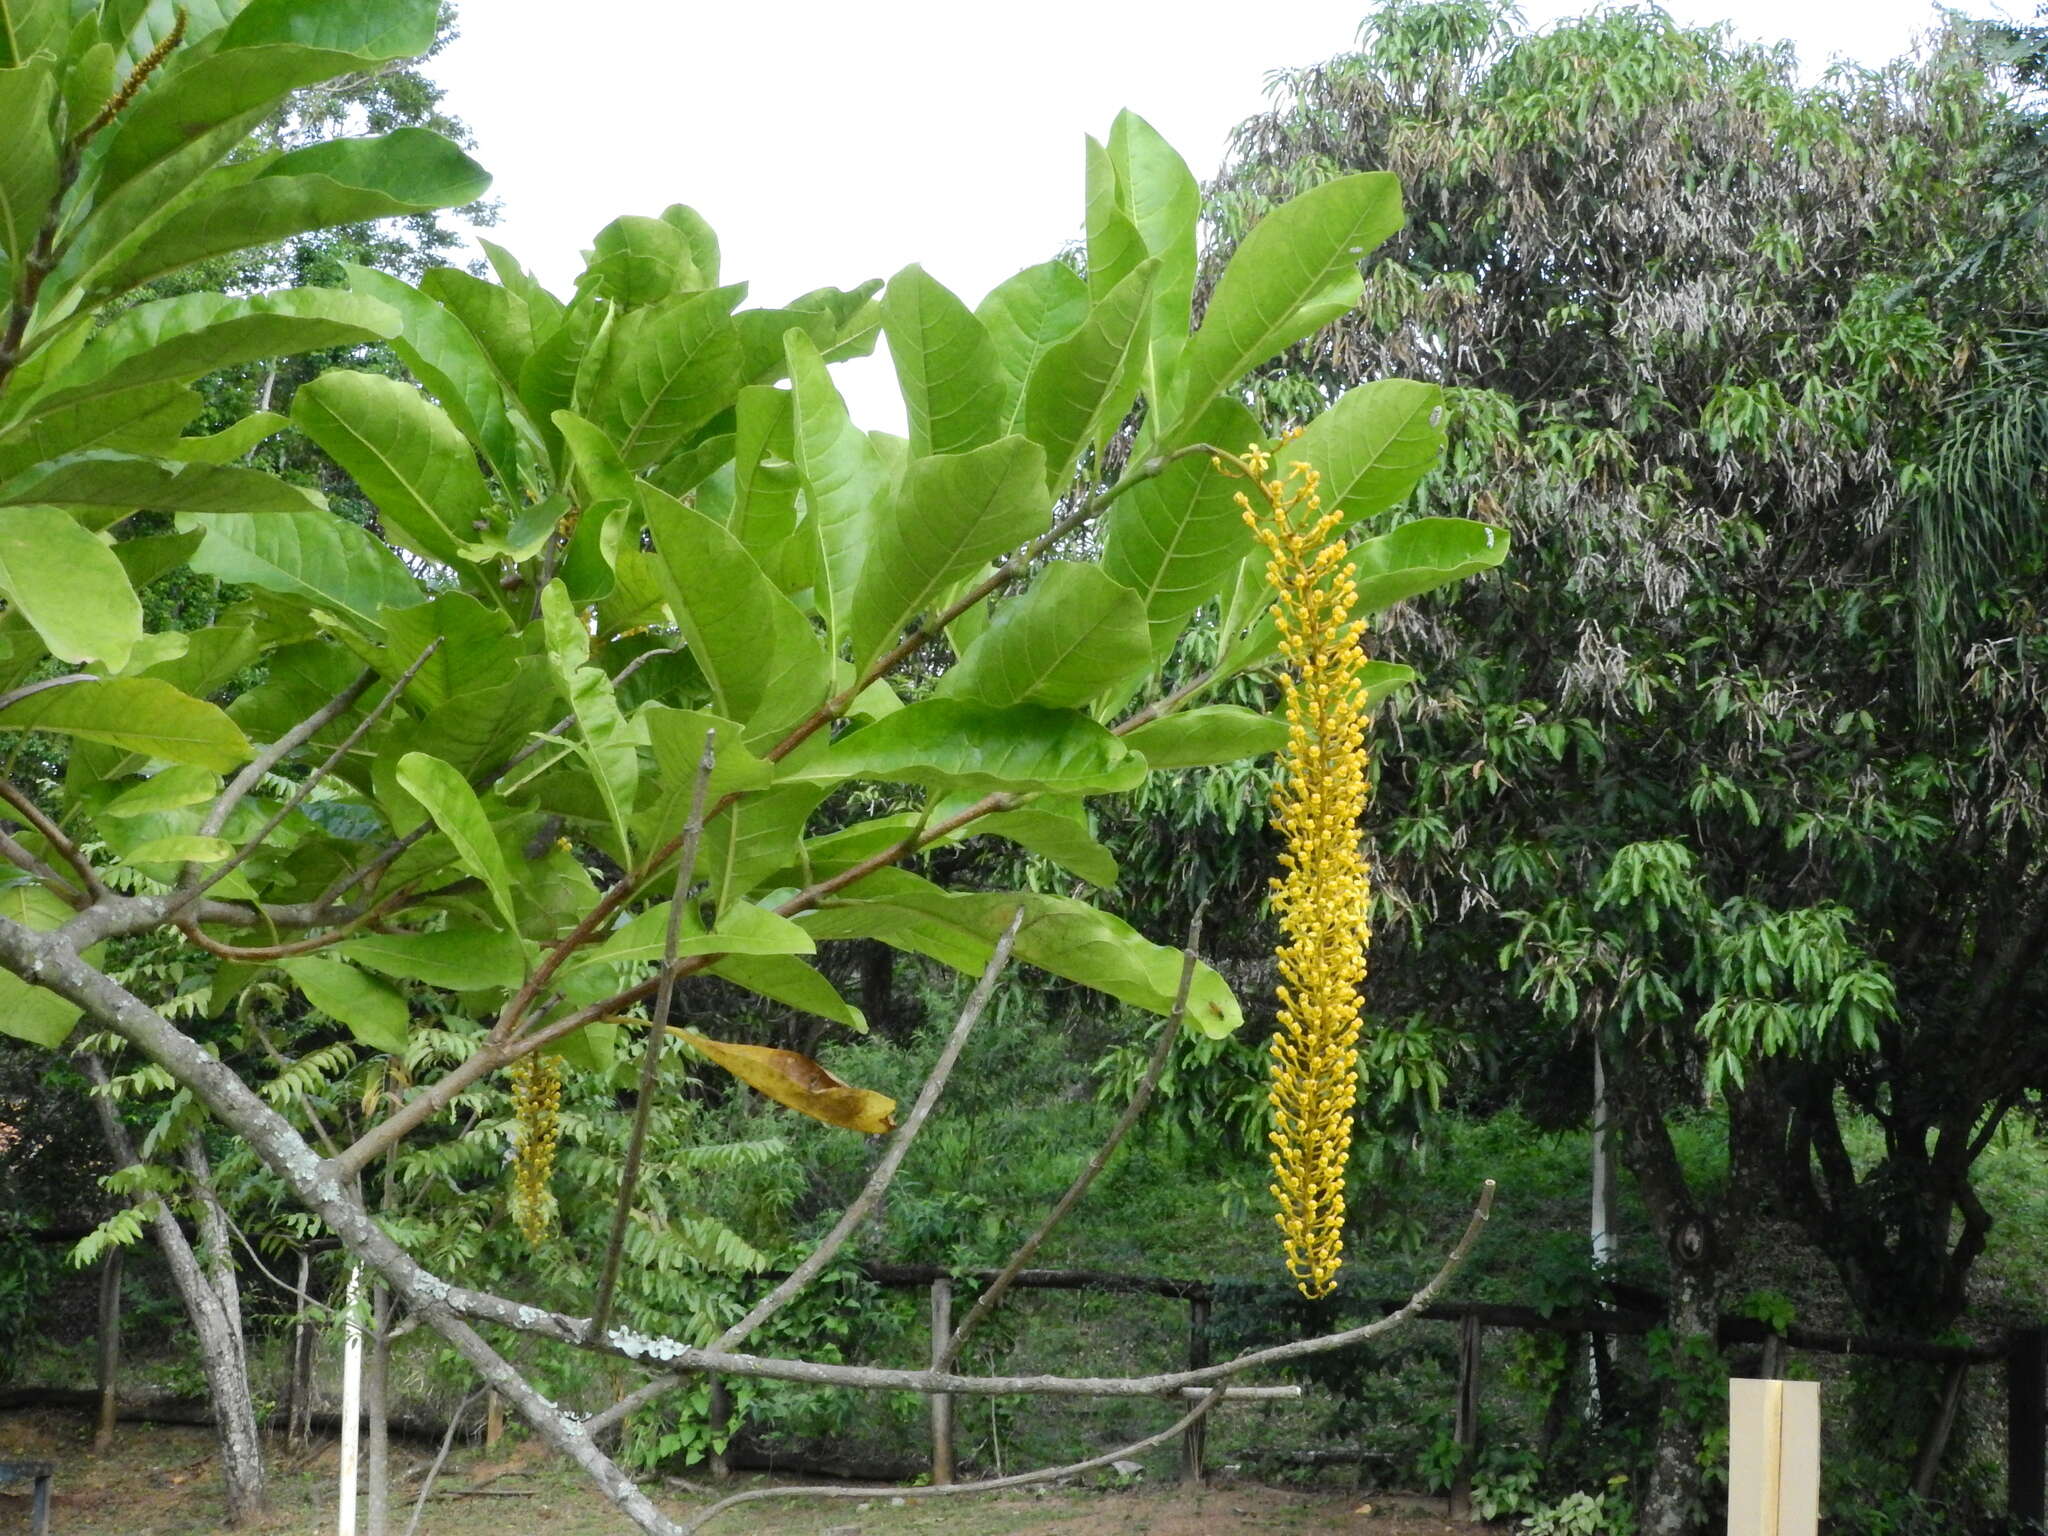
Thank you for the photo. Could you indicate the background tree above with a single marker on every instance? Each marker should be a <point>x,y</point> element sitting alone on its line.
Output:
<point>1740,773</point>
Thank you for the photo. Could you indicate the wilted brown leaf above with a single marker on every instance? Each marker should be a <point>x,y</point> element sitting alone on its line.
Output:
<point>796,1081</point>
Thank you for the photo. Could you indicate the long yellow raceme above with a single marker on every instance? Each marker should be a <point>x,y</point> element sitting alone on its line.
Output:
<point>1323,898</point>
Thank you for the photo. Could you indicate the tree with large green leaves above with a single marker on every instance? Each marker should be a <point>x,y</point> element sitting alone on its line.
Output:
<point>126,164</point>
<point>1739,778</point>
<point>553,735</point>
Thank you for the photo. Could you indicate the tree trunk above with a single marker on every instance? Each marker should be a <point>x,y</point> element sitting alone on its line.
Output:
<point>1674,1502</point>
<point>212,1303</point>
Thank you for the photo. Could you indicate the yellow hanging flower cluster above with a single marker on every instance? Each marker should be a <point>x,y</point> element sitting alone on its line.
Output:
<point>537,1112</point>
<point>1323,898</point>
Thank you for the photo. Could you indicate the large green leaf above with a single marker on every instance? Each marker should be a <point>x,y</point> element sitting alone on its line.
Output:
<point>741,929</point>
<point>271,49</point>
<point>1068,938</point>
<point>410,460</point>
<point>1052,829</point>
<point>477,652</point>
<point>137,714</point>
<point>372,1011</point>
<point>665,372</point>
<point>1373,445</point>
<point>1025,317</point>
<point>68,585</point>
<point>945,363</point>
<point>1421,556</point>
<point>1075,634</point>
<point>1114,245</point>
<point>1201,738</point>
<point>1177,539</point>
<point>230,443</point>
<point>451,363</point>
<point>314,558</point>
<point>953,744</point>
<point>1416,557</point>
<point>147,418</point>
<point>676,737</point>
<point>447,798</point>
<point>609,744</point>
<point>100,478</point>
<point>27,27</point>
<point>842,476</point>
<point>1081,388</point>
<point>953,514</point>
<point>28,160</point>
<point>637,261</point>
<point>177,340</point>
<point>757,650</point>
<point>767,485</point>
<point>493,314</point>
<point>455,959</point>
<point>1163,202</point>
<point>340,181</point>
<point>1295,272</point>
<point>788,980</point>
<point>29,1012</point>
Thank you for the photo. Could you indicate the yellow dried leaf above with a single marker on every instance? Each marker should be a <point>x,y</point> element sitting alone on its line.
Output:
<point>799,1083</point>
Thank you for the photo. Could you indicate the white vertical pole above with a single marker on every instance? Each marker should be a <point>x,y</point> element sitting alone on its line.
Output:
<point>1602,1207</point>
<point>351,1401</point>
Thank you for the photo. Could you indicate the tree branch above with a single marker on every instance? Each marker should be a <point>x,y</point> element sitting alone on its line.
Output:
<point>987,1485</point>
<point>657,1037</point>
<point>252,774</point>
<point>885,1171</point>
<point>54,835</point>
<point>989,1299</point>
<point>218,818</point>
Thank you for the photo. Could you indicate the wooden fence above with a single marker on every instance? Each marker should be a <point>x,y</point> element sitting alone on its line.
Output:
<point>2023,1355</point>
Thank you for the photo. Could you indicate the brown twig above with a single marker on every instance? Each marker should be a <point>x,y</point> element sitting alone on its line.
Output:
<point>989,1299</point>
<point>885,1171</point>
<point>218,818</point>
<point>419,1507</point>
<point>252,774</point>
<point>54,835</point>
<point>657,1037</point>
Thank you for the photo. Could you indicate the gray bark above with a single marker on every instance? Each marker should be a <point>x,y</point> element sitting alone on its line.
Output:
<point>213,1304</point>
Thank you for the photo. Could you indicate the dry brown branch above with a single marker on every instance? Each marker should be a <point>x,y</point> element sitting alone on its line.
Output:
<point>989,1299</point>
<point>657,1037</point>
<point>988,1485</point>
<point>899,1145</point>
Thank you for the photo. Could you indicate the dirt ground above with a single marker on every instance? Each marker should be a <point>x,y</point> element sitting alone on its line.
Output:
<point>161,1481</point>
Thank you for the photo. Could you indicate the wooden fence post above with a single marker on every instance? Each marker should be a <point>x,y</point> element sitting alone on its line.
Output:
<point>942,1402</point>
<point>1465,1423</point>
<point>1194,1438</point>
<point>494,1419</point>
<point>110,1349</point>
<point>720,1414</point>
<point>1929,1464</point>
<point>298,1418</point>
<point>2026,1425</point>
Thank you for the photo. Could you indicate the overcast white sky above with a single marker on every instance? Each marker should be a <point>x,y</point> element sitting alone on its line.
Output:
<point>829,141</point>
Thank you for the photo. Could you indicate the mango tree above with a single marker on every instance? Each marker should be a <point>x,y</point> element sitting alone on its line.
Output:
<point>639,600</point>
